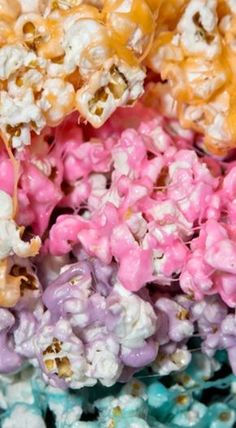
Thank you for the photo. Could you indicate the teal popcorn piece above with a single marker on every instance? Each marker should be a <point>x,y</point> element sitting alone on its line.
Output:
<point>66,407</point>
<point>181,399</point>
<point>221,416</point>
<point>159,400</point>
<point>136,388</point>
<point>113,410</point>
<point>193,417</point>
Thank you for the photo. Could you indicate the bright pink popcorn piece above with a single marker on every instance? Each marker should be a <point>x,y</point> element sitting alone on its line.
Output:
<point>135,263</point>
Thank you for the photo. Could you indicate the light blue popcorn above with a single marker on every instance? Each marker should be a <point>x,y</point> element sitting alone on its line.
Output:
<point>23,416</point>
<point>193,417</point>
<point>221,416</point>
<point>181,399</point>
<point>113,410</point>
<point>158,399</point>
<point>201,369</point>
<point>66,407</point>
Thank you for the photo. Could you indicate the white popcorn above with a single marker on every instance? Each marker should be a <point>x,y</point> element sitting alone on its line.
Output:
<point>115,85</point>
<point>58,97</point>
<point>177,361</point>
<point>137,319</point>
<point>12,58</point>
<point>197,28</point>
<point>28,417</point>
<point>10,239</point>
<point>20,110</point>
<point>103,361</point>
<point>85,45</point>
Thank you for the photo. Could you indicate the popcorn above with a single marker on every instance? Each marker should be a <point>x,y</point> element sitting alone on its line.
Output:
<point>12,58</point>
<point>107,90</point>
<point>10,360</point>
<point>80,64</point>
<point>10,235</point>
<point>61,354</point>
<point>131,23</point>
<point>99,318</point>
<point>187,52</point>
<point>27,415</point>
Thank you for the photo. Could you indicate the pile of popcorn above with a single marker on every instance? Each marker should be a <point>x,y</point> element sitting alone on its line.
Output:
<point>194,52</point>
<point>135,235</point>
<point>117,225</point>
<point>61,56</point>
<point>92,56</point>
<point>144,402</point>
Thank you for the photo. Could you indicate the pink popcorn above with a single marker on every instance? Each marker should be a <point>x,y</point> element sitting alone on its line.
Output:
<point>135,263</point>
<point>211,265</point>
<point>42,196</point>
<point>191,185</point>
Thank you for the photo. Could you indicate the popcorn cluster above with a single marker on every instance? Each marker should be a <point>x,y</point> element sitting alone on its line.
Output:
<point>137,251</point>
<point>57,57</point>
<point>117,228</point>
<point>194,53</point>
<point>144,402</point>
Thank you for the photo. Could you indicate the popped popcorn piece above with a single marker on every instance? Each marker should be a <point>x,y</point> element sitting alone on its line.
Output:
<point>10,235</point>
<point>167,362</point>
<point>61,354</point>
<point>12,58</point>
<point>130,22</point>
<point>197,28</point>
<point>115,85</point>
<point>57,100</point>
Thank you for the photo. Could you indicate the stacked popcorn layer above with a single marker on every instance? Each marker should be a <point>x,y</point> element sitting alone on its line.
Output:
<point>92,56</point>
<point>137,251</point>
<point>144,402</point>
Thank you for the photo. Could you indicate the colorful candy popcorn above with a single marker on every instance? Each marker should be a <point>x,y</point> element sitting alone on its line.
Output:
<point>194,54</point>
<point>90,333</point>
<point>60,56</point>
<point>142,402</point>
<point>118,210</point>
<point>137,257</point>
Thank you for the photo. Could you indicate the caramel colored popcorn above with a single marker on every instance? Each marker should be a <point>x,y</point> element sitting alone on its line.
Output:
<point>194,52</point>
<point>58,56</point>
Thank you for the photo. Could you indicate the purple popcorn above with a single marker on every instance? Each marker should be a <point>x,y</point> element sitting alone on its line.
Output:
<point>10,361</point>
<point>107,327</point>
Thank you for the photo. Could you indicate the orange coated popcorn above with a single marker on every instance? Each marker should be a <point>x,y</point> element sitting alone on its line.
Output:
<point>194,52</point>
<point>58,56</point>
